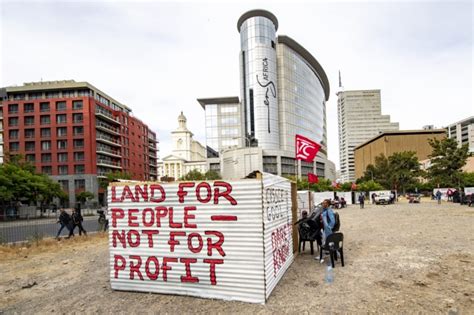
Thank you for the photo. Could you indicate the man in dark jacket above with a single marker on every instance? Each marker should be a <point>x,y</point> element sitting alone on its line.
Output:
<point>77,221</point>
<point>65,221</point>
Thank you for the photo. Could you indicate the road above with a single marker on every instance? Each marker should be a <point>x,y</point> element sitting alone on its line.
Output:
<point>15,231</point>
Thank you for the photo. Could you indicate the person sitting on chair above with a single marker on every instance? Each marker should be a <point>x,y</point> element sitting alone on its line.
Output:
<point>328,219</point>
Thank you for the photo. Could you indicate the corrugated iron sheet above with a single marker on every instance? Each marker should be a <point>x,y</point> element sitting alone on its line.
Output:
<point>277,218</point>
<point>241,276</point>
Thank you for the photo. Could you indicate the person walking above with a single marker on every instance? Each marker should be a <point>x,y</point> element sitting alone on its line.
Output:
<point>77,221</point>
<point>361,200</point>
<point>65,221</point>
<point>438,196</point>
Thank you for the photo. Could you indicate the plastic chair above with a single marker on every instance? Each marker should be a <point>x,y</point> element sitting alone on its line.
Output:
<point>303,239</point>
<point>334,244</point>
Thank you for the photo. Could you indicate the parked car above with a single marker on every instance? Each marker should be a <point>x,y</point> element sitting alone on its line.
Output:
<point>414,198</point>
<point>382,197</point>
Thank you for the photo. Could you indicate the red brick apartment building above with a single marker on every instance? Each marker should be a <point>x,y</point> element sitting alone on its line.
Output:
<point>76,134</point>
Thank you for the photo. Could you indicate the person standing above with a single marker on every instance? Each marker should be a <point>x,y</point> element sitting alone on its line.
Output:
<point>438,196</point>
<point>65,221</point>
<point>361,200</point>
<point>77,221</point>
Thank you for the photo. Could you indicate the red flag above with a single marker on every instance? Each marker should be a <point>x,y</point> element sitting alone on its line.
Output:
<point>313,178</point>
<point>353,186</point>
<point>306,149</point>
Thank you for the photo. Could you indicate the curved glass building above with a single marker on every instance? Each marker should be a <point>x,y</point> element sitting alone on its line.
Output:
<point>284,91</point>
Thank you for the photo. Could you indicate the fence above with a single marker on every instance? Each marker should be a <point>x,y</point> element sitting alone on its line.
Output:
<point>42,226</point>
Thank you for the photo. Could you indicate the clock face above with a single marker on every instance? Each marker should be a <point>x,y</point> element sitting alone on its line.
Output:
<point>180,142</point>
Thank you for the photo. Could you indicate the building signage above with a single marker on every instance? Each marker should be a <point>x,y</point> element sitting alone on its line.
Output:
<point>199,238</point>
<point>269,86</point>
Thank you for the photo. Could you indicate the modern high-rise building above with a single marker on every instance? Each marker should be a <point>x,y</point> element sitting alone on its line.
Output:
<point>463,132</point>
<point>360,119</point>
<point>284,91</point>
<point>76,133</point>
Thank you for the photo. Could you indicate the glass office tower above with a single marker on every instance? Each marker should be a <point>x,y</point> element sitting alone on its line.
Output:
<point>258,74</point>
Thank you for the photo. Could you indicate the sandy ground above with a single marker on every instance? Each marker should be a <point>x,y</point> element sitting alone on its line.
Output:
<point>404,258</point>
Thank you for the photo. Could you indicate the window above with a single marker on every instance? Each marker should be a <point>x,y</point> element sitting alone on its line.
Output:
<point>229,109</point>
<point>62,169</point>
<point>29,133</point>
<point>29,107</point>
<point>46,158</point>
<point>61,131</point>
<point>77,105</point>
<point>61,118</point>
<point>78,143</point>
<point>69,93</point>
<point>60,106</point>
<point>48,170</point>
<point>29,146</point>
<point>77,118</point>
<point>13,121</point>
<point>29,120</point>
<point>64,185</point>
<point>14,146</point>
<point>79,183</point>
<point>79,169</point>
<point>35,96</point>
<point>45,132</point>
<point>78,130</point>
<point>52,94</point>
<point>30,158</point>
<point>13,109</point>
<point>45,120</point>
<point>13,134</point>
<point>62,157</point>
<point>62,144</point>
<point>45,145</point>
<point>44,107</point>
<point>78,156</point>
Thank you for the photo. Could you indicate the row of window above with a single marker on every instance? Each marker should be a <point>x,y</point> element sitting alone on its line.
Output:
<point>44,107</point>
<point>63,169</point>
<point>52,94</point>
<point>78,184</point>
<point>61,157</point>
<point>46,145</point>
<point>46,132</point>
<point>46,119</point>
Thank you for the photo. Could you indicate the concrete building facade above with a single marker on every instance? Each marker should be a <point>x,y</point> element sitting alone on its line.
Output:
<point>359,119</point>
<point>187,154</point>
<point>463,132</point>
<point>76,133</point>
<point>284,91</point>
<point>390,142</point>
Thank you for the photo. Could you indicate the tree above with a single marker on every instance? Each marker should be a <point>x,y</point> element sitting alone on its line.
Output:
<point>212,175</point>
<point>84,196</point>
<point>380,172</point>
<point>369,186</point>
<point>18,182</point>
<point>404,169</point>
<point>447,160</point>
<point>468,179</point>
<point>194,175</point>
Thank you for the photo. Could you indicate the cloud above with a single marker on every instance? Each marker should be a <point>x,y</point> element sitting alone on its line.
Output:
<point>159,57</point>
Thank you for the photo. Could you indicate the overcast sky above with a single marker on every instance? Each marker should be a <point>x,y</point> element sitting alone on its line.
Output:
<point>159,57</point>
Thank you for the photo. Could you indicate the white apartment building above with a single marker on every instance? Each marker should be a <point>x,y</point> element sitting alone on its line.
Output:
<point>463,132</point>
<point>359,119</point>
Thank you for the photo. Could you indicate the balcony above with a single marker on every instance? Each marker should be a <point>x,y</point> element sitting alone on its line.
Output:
<point>106,163</point>
<point>106,115</point>
<point>108,140</point>
<point>107,151</point>
<point>153,172</point>
<point>152,147</point>
<point>107,128</point>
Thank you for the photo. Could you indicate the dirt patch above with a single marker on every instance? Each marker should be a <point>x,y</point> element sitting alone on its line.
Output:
<point>399,259</point>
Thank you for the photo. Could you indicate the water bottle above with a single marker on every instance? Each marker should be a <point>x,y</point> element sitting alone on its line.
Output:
<point>329,273</point>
